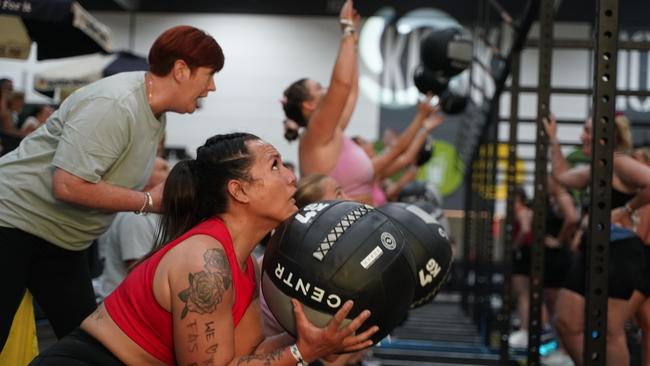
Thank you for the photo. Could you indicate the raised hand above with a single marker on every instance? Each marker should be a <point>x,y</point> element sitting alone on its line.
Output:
<point>550,126</point>
<point>347,11</point>
<point>424,106</point>
<point>357,21</point>
<point>314,342</point>
<point>434,120</point>
<point>425,102</point>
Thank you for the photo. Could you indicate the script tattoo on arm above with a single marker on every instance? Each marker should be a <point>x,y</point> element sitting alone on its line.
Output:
<point>192,337</point>
<point>210,351</point>
<point>268,358</point>
<point>207,287</point>
<point>209,331</point>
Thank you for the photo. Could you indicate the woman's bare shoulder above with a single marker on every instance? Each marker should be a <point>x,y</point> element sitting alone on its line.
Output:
<point>195,249</point>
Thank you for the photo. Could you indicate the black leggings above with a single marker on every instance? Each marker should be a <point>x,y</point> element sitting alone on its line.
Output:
<point>77,349</point>
<point>626,269</point>
<point>58,279</point>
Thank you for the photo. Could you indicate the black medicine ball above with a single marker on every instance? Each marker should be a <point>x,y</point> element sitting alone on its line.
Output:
<point>453,103</point>
<point>448,50</point>
<point>425,152</point>
<point>430,246</point>
<point>428,81</point>
<point>420,191</point>
<point>333,251</point>
<point>435,211</point>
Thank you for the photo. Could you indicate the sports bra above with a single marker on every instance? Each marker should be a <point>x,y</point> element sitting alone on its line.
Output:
<point>353,170</point>
<point>135,310</point>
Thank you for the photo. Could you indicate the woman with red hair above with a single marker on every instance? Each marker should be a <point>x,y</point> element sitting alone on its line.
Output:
<point>60,189</point>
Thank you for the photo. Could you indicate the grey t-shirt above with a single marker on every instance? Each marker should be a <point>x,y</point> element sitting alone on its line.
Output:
<point>130,237</point>
<point>104,131</point>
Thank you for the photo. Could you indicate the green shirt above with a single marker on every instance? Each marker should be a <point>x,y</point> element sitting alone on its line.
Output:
<point>104,131</point>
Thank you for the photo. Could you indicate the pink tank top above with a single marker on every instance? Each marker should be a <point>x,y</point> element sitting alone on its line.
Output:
<point>378,194</point>
<point>134,309</point>
<point>353,170</point>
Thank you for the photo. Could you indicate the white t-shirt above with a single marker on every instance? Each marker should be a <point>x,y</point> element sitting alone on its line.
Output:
<point>130,237</point>
<point>30,121</point>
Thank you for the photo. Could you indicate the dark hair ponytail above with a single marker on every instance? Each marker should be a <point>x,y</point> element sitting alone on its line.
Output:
<point>290,133</point>
<point>196,190</point>
<point>180,202</point>
<point>294,96</point>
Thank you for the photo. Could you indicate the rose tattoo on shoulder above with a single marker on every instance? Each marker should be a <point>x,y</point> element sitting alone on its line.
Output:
<point>216,260</point>
<point>206,288</point>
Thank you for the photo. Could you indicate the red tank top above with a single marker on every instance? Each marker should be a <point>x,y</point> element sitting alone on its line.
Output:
<point>134,309</point>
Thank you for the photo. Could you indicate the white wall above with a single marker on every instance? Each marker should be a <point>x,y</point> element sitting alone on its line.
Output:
<point>264,54</point>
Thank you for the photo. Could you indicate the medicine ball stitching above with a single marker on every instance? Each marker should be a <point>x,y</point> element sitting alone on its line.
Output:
<point>338,230</point>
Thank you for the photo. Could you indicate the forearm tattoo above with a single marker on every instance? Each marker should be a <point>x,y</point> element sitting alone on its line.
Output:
<point>268,358</point>
<point>206,288</point>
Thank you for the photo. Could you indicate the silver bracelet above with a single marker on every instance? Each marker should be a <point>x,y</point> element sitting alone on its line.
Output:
<point>147,206</point>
